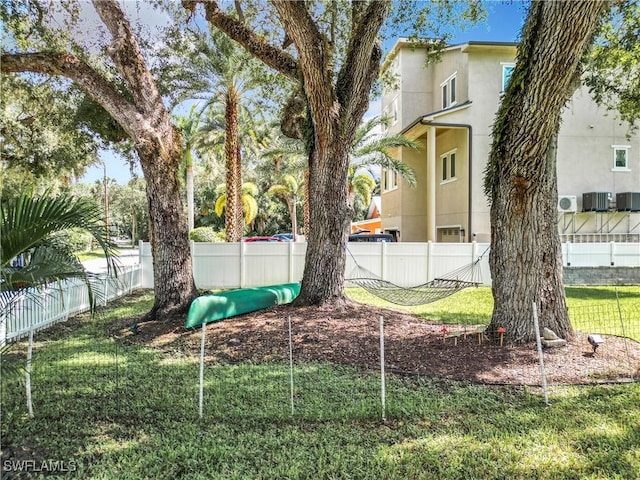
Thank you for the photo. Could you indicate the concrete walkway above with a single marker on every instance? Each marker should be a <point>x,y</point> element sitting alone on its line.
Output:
<point>127,257</point>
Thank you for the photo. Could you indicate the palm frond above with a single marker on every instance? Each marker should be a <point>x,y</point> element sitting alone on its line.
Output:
<point>221,203</point>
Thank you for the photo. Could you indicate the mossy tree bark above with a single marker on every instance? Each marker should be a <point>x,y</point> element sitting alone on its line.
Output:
<point>525,257</point>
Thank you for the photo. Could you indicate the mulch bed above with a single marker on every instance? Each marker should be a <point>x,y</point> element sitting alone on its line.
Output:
<point>349,335</point>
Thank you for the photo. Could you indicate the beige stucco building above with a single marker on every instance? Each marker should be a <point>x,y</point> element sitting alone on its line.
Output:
<point>450,106</point>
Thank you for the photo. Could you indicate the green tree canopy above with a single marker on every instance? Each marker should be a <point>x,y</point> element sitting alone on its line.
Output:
<point>612,72</point>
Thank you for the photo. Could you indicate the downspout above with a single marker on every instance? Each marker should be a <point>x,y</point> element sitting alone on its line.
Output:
<point>426,121</point>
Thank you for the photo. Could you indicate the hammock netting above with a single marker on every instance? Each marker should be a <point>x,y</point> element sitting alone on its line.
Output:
<point>436,289</point>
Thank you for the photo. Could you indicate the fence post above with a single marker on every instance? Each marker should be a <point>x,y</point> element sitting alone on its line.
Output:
<point>27,380</point>
<point>243,245</point>
<point>67,301</point>
<point>192,248</point>
<point>383,389</point>
<point>429,261</point>
<point>106,289</point>
<point>130,289</point>
<point>612,253</point>
<point>3,329</point>
<point>543,373</point>
<point>568,244</point>
<point>383,260</point>
<point>291,365</point>
<point>291,243</point>
<point>142,265</point>
<point>201,382</point>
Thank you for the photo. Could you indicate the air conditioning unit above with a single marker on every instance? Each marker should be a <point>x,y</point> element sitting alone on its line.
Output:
<point>628,202</point>
<point>567,203</point>
<point>596,201</point>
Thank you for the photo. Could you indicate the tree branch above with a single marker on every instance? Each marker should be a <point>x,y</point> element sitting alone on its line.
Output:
<point>125,52</point>
<point>362,63</point>
<point>315,57</point>
<point>256,45</point>
<point>82,74</point>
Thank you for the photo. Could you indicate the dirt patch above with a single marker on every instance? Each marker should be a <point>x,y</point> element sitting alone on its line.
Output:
<point>349,335</point>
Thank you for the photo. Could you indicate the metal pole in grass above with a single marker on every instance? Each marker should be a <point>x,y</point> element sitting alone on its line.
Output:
<point>291,363</point>
<point>624,335</point>
<point>201,391</point>
<point>28,374</point>
<point>539,343</point>
<point>383,391</point>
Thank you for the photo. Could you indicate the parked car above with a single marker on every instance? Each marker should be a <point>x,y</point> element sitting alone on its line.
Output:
<point>261,239</point>
<point>285,237</point>
<point>371,237</point>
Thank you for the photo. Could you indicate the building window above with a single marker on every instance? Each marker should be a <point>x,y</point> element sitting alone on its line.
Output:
<point>621,157</point>
<point>507,70</point>
<point>389,180</point>
<point>448,90</point>
<point>448,166</point>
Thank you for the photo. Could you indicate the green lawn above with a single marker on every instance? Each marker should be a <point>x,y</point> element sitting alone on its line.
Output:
<point>474,305</point>
<point>121,411</point>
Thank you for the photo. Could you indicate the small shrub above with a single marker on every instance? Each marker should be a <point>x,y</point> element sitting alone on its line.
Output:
<point>204,234</point>
<point>77,239</point>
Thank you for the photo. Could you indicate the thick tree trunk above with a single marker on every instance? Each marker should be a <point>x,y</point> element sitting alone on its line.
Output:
<point>323,278</point>
<point>525,257</point>
<point>174,287</point>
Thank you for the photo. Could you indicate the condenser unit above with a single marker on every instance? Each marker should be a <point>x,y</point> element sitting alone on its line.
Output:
<point>595,201</point>
<point>567,203</point>
<point>628,202</point>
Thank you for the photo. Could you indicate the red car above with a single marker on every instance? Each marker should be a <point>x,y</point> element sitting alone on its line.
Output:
<point>261,239</point>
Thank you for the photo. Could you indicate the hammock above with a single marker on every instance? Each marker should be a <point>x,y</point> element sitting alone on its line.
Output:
<point>436,289</point>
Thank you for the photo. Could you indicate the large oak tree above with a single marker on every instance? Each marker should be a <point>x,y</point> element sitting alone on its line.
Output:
<point>330,106</point>
<point>525,257</point>
<point>157,142</point>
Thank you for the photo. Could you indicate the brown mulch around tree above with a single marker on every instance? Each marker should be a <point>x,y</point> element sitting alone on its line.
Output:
<point>349,335</point>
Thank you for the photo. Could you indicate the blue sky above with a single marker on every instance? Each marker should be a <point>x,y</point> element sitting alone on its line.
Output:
<point>503,24</point>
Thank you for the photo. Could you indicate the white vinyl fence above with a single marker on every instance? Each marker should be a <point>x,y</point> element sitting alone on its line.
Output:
<point>251,264</point>
<point>608,254</point>
<point>37,309</point>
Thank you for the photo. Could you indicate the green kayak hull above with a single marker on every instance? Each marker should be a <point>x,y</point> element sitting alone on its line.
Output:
<point>218,306</point>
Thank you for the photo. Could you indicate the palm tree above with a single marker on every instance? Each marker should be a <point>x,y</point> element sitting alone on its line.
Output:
<point>361,186</point>
<point>248,202</point>
<point>30,254</point>
<point>288,191</point>
<point>370,149</point>
<point>190,128</point>
<point>220,73</point>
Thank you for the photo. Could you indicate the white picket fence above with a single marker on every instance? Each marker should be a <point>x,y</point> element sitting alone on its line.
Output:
<point>38,309</point>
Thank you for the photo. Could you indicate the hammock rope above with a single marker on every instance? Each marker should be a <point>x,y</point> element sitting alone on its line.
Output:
<point>437,289</point>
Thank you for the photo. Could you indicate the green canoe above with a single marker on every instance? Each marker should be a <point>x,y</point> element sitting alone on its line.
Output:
<point>218,306</point>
